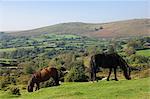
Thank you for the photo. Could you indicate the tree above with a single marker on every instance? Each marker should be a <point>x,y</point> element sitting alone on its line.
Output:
<point>129,51</point>
<point>111,49</point>
<point>94,49</point>
<point>136,44</point>
<point>76,73</point>
<point>29,67</point>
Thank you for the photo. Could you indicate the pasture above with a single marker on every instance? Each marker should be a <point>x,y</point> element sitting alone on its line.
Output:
<point>123,89</point>
<point>144,52</point>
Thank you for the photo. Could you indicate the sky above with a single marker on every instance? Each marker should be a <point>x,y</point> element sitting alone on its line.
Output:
<point>29,14</point>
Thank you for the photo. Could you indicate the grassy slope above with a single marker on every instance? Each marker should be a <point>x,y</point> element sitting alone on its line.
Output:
<point>123,89</point>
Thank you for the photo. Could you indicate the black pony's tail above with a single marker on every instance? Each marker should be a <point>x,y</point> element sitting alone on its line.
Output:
<point>92,68</point>
<point>92,63</point>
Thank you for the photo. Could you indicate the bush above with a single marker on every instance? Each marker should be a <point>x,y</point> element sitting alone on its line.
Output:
<point>129,51</point>
<point>5,81</point>
<point>76,73</point>
<point>4,72</point>
<point>28,67</point>
<point>138,59</point>
<point>48,83</point>
<point>2,85</point>
<point>15,91</point>
<point>29,70</point>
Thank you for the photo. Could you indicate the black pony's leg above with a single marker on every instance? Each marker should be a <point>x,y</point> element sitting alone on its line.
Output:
<point>57,80</point>
<point>94,76</point>
<point>109,74</point>
<point>115,73</point>
<point>37,86</point>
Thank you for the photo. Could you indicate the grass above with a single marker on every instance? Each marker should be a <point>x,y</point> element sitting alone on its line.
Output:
<point>144,52</point>
<point>123,89</point>
<point>8,50</point>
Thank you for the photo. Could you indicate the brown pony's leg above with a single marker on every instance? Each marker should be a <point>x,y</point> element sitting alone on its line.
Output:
<point>109,74</point>
<point>115,74</point>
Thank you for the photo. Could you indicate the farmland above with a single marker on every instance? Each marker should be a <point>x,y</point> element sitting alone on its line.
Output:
<point>21,56</point>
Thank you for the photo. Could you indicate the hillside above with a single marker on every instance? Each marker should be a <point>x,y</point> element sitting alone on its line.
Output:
<point>135,27</point>
<point>123,89</point>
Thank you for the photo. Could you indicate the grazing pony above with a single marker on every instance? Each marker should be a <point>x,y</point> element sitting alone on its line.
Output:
<point>111,61</point>
<point>41,76</point>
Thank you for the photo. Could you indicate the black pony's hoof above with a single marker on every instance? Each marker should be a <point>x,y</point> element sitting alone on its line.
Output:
<point>115,79</point>
<point>107,79</point>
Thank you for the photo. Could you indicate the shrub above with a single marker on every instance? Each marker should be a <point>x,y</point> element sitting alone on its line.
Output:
<point>28,67</point>
<point>4,72</point>
<point>139,59</point>
<point>76,73</point>
<point>29,70</point>
<point>2,85</point>
<point>15,91</point>
<point>5,81</point>
<point>129,51</point>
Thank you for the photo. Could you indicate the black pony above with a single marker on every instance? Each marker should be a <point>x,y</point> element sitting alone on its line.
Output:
<point>111,61</point>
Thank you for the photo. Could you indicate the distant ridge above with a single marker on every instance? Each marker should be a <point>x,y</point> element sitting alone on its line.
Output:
<point>126,28</point>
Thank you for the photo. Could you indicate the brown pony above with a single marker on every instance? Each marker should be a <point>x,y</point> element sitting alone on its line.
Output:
<point>41,76</point>
<point>111,61</point>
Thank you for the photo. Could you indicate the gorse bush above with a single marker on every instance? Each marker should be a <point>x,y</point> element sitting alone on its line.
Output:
<point>15,91</point>
<point>5,81</point>
<point>138,59</point>
<point>29,70</point>
<point>129,51</point>
<point>2,84</point>
<point>76,73</point>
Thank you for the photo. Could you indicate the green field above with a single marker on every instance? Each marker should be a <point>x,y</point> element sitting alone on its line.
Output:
<point>144,52</point>
<point>7,50</point>
<point>123,89</point>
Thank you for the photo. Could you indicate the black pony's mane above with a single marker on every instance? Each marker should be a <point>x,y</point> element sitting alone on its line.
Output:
<point>123,63</point>
<point>124,66</point>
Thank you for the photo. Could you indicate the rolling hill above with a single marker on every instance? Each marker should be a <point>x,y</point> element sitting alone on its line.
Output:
<point>126,28</point>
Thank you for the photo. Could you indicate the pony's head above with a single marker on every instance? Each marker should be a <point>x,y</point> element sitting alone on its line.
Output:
<point>31,84</point>
<point>126,69</point>
<point>127,73</point>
